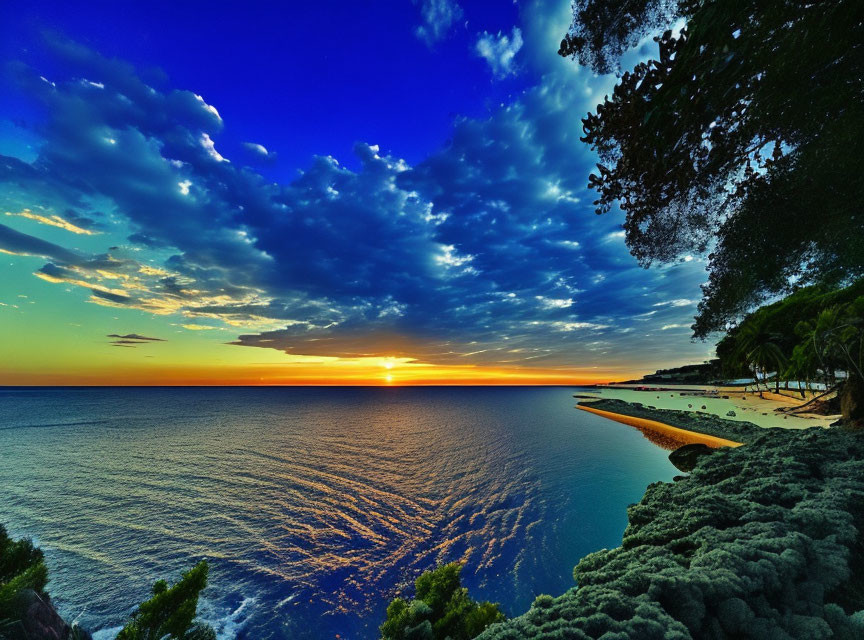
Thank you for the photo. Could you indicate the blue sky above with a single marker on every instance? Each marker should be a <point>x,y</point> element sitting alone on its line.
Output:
<point>382,180</point>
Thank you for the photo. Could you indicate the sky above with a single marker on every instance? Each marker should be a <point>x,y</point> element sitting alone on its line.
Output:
<point>314,193</point>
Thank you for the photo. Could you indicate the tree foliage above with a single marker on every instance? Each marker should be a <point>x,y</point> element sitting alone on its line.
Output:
<point>168,615</point>
<point>22,566</point>
<point>441,610</point>
<point>810,335</point>
<point>738,137</point>
<point>171,611</point>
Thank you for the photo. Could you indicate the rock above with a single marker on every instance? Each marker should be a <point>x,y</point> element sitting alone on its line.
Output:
<point>731,414</point>
<point>687,457</point>
<point>36,619</point>
<point>704,407</point>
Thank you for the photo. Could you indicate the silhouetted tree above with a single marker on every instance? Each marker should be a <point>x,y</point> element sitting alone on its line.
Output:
<point>739,137</point>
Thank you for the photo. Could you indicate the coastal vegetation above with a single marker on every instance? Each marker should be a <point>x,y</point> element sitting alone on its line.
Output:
<point>440,610</point>
<point>22,566</point>
<point>26,612</point>
<point>170,613</point>
<point>759,541</point>
<point>814,335</point>
<point>734,138</point>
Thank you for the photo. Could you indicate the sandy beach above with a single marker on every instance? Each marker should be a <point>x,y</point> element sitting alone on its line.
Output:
<point>732,403</point>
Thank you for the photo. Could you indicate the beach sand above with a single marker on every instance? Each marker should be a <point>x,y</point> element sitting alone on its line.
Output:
<point>747,406</point>
<point>674,434</point>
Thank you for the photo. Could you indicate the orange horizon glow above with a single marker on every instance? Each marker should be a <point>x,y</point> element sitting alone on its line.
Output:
<point>394,375</point>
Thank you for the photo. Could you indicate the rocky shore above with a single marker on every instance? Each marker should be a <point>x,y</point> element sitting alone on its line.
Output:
<point>760,541</point>
<point>33,617</point>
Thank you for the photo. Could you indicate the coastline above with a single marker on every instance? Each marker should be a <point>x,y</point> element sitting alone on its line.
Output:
<point>768,410</point>
<point>675,433</point>
<point>761,540</point>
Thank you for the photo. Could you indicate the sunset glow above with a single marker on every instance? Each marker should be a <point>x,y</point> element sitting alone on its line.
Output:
<point>173,229</point>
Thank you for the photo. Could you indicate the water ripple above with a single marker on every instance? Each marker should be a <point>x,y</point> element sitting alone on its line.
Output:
<point>314,506</point>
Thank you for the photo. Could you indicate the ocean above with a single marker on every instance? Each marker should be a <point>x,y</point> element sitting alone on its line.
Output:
<point>314,506</point>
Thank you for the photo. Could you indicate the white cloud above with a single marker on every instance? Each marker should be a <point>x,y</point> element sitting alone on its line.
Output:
<point>208,107</point>
<point>259,149</point>
<point>574,326</point>
<point>500,50</point>
<point>210,148</point>
<point>678,302</point>
<point>666,327</point>
<point>554,303</point>
<point>438,17</point>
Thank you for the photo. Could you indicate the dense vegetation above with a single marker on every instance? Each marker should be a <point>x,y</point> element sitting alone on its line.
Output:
<point>737,138</point>
<point>168,615</point>
<point>441,610</point>
<point>21,567</point>
<point>761,541</point>
<point>809,336</point>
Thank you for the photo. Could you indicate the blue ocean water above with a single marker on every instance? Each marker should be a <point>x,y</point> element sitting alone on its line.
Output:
<point>314,506</point>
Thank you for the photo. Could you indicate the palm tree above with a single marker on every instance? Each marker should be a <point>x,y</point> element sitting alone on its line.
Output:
<point>759,349</point>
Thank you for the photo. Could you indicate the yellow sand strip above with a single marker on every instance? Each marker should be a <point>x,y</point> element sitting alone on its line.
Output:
<point>690,437</point>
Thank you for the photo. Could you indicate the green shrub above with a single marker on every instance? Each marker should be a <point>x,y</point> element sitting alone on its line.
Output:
<point>441,610</point>
<point>171,611</point>
<point>21,567</point>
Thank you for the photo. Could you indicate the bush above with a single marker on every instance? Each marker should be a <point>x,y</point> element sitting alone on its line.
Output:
<point>441,610</point>
<point>21,567</point>
<point>171,611</point>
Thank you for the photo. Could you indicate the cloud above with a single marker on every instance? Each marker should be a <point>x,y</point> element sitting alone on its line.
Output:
<point>438,16</point>
<point>500,51</point>
<point>54,220</point>
<point>678,302</point>
<point>15,242</point>
<point>210,148</point>
<point>486,251</point>
<point>131,340</point>
<point>259,151</point>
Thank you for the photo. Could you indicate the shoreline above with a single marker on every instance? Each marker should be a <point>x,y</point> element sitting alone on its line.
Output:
<point>701,555</point>
<point>768,410</point>
<point>687,436</point>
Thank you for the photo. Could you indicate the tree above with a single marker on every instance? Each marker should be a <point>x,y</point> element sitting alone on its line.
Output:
<point>760,349</point>
<point>441,609</point>
<point>171,611</point>
<point>737,137</point>
<point>22,566</point>
<point>813,334</point>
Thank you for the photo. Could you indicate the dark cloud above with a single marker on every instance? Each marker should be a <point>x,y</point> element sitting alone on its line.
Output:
<point>13,241</point>
<point>135,336</point>
<point>111,297</point>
